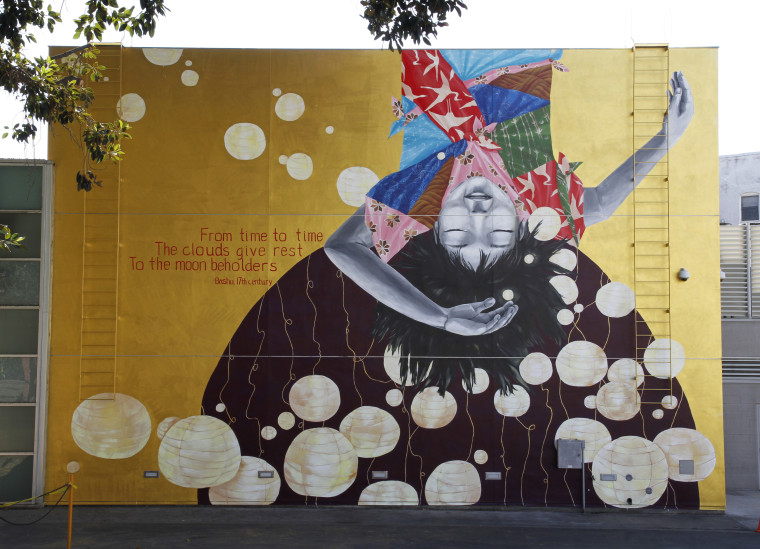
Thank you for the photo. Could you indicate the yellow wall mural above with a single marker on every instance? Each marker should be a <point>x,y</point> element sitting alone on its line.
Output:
<point>353,277</point>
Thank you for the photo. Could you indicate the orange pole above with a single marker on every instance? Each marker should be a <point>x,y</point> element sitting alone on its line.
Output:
<point>71,506</point>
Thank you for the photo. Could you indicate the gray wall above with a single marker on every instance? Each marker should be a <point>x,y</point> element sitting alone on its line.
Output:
<point>741,397</point>
<point>739,173</point>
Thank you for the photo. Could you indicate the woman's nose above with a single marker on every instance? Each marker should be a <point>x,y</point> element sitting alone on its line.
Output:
<point>480,206</point>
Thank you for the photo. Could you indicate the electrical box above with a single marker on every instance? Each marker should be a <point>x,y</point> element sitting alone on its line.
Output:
<point>570,453</point>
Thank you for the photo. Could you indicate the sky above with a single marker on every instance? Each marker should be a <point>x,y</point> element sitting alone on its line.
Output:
<point>730,25</point>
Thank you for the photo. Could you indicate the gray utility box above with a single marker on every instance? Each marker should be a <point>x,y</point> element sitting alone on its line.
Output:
<point>570,453</point>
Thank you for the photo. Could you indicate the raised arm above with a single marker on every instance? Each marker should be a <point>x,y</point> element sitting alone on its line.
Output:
<point>349,248</point>
<point>600,202</point>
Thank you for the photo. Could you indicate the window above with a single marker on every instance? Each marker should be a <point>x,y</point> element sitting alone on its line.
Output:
<point>25,208</point>
<point>750,207</point>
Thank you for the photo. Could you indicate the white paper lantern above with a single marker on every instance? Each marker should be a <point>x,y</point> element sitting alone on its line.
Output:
<point>354,183</point>
<point>246,488</point>
<point>565,258</point>
<point>394,397</point>
<point>389,492</point>
<point>595,435</point>
<point>111,426</point>
<point>627,372</point>
<point>565,317</point>
<point>165,425</point>
<point>162,56</point>
<point>658,414</point>
<point>615,300</point>
<point>286,420</point>
<point>189,78</point>
<point>566,286</point>
<point>268,432</point>
<point>480,457</point>
<point>640,469</point>
<point>300,166</point>
<point>581,364</point>
<point>453,483</point>
<point>290,107</point>
<point>130,107</point>
<point>320,462</point>
<point>430,410</point>
<point>314,398</point>
<point>687,444</point>
<point>372,431</point>
<point>512,405</point>
<point>664,358</point>
<point>590,402</point>
<point>536,368</point>
<point>618,401</point>
<point>548,222</point>
<point>199,452</point>
<point>481,382</point>
<point>245,141</point>
<point>669,402</point>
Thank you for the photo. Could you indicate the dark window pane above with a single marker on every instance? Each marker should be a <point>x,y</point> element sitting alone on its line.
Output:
<point>19,282</point>
<point>750,210</point>
<point>18,379</point>
<point>29,225</point>
<point>18,331</point>
<point>17,428</point>
<point>16,477</point>
<point>20,187</point>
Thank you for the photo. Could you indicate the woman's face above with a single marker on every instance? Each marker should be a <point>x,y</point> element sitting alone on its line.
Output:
<point>477,218</point>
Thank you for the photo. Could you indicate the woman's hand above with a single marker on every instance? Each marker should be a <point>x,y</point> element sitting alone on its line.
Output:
<point>680,108</point>
<point>470,320</point>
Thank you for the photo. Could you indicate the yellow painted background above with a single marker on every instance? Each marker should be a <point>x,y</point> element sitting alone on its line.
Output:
<point>177,177</point>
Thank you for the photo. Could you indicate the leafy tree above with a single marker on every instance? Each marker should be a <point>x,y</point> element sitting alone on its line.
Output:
<point>8,239</point>
<point>54,89</point>
<point>394,21</point>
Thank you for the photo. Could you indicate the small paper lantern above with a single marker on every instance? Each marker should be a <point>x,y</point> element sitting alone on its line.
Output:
<point>565,317</point>
<point>453,483</point>
<point>300,166</point>
<point>640,469</point>
<point>512,405</point>
<point>130,107</point>
<point>581,364</point>
<point>320,462</point>
<point>268,432</point>
<point>687,444</point>
<point>389,492</point>
<point>566,287</point>
<point>536,368</point>
<point>111,426</point>
<point>314,398</point>
<point>627,372</point>
<point>246,488</point>
<point>354,183</point>
<point>481,382</point>
<point>394,397</point>
<point>199,452</point>
<point>615,300</point>
<point>245,141</point>
<point>431,410</point>
<point>162,57</point>
<point>664,358</point>
<point>286,420</point>
<point>372,431</point>
<point>165,425</point>
<point>592,432</point>
<point>290,107</point>
<point>480,457</point>
<point>669,402</point>
<point>590,402</point>
<point>564,258</point>
<point>547,221</point>
<point>658,414</point>
<point>189,78</point>
<point>618,401</point>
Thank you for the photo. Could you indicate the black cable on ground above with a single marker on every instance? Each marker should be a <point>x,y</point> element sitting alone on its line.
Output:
<point>67,486</point>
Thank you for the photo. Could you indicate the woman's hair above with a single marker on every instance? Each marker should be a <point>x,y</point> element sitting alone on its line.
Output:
<point>432,357</point>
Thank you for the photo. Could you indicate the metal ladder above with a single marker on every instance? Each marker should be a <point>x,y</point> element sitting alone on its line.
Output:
<point>651,204</point>
<point>100,257</point>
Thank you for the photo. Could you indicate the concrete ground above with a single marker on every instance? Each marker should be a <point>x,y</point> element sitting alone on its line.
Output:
<point>369,528</point>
